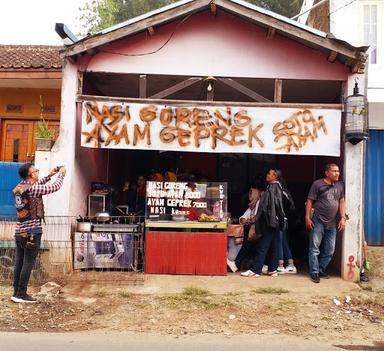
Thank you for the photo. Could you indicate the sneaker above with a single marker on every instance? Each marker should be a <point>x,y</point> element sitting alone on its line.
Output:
<point>324,275</point>
<point>291,269</point>
<point>232,265</point>
<point>315,277</point>
<point>24,299</point>
<point>273,274</point>
<point>264,270</point>
<point>250,273</point>
<point>16,299</point>
<point>281,270</point>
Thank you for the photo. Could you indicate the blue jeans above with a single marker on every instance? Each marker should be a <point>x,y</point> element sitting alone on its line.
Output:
<point>268,242</point>
<point>322,237</point>
<point>284,250</point>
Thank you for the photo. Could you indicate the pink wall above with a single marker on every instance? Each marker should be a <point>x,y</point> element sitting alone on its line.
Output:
<point>224,45</point>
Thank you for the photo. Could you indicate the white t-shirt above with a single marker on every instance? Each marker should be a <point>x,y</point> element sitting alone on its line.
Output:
<point>250,213</point>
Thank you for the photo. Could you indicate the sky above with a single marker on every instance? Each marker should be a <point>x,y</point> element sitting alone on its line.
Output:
<point>33,21</point>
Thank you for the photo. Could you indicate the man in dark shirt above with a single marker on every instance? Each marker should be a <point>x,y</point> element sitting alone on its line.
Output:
<point>324,215</point>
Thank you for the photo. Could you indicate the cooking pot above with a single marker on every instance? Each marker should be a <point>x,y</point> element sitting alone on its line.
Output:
<point>102,217</point>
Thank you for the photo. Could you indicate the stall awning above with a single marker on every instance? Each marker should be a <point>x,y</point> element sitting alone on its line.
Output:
<point>192,126</point>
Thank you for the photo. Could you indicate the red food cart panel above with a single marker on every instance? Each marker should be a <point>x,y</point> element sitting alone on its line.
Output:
<point>186,253</point>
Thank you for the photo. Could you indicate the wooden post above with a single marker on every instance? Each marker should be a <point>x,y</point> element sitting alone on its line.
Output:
<point>80,78</point>
<point>143,86</point>
<point>278,90</point>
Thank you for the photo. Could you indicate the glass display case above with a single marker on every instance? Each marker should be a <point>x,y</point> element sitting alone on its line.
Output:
<point>99,203</point>
<point>186,205</point>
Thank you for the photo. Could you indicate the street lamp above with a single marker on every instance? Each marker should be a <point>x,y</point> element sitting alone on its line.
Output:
<point>356,123</point>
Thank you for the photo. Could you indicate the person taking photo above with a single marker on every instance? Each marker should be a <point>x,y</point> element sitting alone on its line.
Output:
<point>30,213</point>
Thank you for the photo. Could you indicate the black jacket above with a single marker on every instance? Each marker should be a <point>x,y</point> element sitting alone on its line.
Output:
<point>288,203</point>
<point>270,214</point>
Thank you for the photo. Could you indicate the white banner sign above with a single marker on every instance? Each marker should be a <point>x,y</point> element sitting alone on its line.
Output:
<point>267,130</point>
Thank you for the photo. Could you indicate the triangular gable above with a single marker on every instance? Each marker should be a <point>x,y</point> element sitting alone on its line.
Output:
<point>336,49</point>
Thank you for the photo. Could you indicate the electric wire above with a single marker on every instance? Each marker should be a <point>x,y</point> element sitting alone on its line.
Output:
<point>158,49</point>
<point>341,7</point>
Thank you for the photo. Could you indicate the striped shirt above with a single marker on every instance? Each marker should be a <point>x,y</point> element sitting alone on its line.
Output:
<point>38,189</point>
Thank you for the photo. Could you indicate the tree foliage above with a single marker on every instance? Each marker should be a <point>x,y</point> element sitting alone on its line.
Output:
<point>99,14</point>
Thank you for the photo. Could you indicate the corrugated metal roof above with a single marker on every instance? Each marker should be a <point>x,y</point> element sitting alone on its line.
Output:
<point>374,189</point>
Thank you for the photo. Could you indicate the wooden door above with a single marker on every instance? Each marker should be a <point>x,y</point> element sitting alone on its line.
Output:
<point>17,141</point>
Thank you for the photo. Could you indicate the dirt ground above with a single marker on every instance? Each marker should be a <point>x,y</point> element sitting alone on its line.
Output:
<point>332,311</point>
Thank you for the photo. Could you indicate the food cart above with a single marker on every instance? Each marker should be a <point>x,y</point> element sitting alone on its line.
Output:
<point>186,227</point>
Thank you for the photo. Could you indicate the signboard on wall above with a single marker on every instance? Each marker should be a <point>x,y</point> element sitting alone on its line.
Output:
<point>225,129</point>
<point>186,201</point>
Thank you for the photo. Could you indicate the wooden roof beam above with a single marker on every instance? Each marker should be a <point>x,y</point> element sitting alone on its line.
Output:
<point>243,89</point>
<point>175,88</point>
<point>271,32</point>
<point>190,103</point>
<point>134,28</point>
<point>332,56</point>
<point>213,8</point>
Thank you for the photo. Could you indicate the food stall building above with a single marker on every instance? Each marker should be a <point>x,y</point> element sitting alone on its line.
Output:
<point>219,87</point>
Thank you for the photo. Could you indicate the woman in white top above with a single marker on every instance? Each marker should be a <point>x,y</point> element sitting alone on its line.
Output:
<point>246,219</point>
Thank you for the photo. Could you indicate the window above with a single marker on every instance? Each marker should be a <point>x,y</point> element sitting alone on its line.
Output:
<point>370,31</point>
<point>13,108</point>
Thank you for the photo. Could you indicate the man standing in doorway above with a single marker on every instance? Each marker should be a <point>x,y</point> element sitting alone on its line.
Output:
<point>324,216</point>
<point>30,212</point>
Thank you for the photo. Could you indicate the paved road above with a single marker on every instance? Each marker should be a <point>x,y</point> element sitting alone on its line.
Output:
<point>102,341</point>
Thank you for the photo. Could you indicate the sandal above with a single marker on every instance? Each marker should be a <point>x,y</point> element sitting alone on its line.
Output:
<point>273,274</point>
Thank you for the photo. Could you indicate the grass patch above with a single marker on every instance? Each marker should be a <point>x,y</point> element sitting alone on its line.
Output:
<point>282,307</point>
<point>101,293</point>
<point>195,292</point>
<point>234,294</point>
<point>125,294</point>
<point>195,297</point>
<point>365,287</point>
<point>268,290</point>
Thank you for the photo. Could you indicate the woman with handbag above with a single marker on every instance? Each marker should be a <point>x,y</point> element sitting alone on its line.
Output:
<point>248,221</point>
